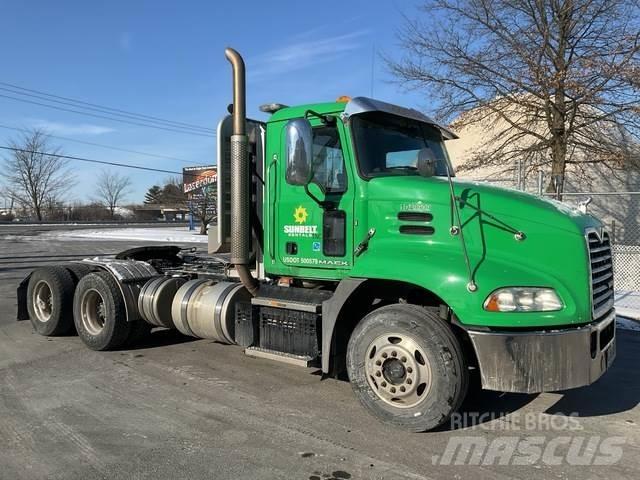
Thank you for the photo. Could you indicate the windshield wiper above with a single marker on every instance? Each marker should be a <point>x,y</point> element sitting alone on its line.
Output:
<point>402,167</point>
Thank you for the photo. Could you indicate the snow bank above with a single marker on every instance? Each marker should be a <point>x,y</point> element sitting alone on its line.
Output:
<point>159,234</point>
<point>628,304</point>
<point>628,324</point>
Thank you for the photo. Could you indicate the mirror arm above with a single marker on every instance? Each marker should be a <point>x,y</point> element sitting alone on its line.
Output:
<point>325,119</point>
<point>323,204</point>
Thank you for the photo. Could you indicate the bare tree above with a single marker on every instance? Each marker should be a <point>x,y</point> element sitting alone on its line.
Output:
<point>202,205</point>
<point>112,188</point>
<point>34,173</point>
<point>557,81</point>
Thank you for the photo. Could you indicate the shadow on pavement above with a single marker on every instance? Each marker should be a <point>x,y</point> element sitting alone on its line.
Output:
<point>617,391</point>
<point>161,338</point>
<point>482,406</point>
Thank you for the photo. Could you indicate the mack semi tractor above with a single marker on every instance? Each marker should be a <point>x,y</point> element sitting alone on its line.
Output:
<point>345,243</point>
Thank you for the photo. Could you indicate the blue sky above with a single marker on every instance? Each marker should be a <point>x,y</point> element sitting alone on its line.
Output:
<point>165,59</point>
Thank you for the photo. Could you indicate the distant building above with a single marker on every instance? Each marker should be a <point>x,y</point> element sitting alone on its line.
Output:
<point>621,213</point>
<point>161,212</point>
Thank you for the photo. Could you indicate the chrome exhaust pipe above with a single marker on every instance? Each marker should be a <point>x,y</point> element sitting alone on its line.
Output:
<point>240,178</point>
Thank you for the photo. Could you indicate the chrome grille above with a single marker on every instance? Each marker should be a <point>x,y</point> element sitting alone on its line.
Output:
<point>601,267</point>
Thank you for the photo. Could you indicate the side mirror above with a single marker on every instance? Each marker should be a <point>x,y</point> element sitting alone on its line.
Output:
<point>299,141</point>
<point>426,162</point>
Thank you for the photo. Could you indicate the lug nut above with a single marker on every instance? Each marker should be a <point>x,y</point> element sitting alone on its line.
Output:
<point>409,381</point>
<point>378,374</point>
<point>383,384</point>
<point>403,359</point>
<point>393,389</point>
<point>378,362</point>
<point>394,354</point>
<point>384,355</point>
<point>409,369</point>
<point>402,389</point>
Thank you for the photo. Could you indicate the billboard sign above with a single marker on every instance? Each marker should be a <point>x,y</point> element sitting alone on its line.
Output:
<point>195,179</point>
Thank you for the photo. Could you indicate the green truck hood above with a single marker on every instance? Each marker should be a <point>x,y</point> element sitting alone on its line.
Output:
<point>552,254</point>
<point>530,208</point>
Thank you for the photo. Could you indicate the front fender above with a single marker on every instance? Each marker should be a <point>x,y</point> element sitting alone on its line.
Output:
<point>446,276</point>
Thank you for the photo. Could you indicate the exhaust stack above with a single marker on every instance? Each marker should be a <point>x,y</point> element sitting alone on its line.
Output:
<point>240,178</point>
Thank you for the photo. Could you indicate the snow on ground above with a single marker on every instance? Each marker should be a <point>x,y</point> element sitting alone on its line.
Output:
<point>628,303</point>
<point>159,234</point>
<point>628,324</point>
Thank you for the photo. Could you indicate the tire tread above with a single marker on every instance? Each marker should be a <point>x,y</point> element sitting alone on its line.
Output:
<point>62,288</point>
<point>436,335</point>
<point>116,329</point>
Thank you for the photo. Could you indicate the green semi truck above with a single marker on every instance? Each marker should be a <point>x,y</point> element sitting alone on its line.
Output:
<point>344,243</point>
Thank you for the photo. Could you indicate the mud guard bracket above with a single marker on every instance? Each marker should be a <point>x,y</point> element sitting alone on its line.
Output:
<point>331,309</point>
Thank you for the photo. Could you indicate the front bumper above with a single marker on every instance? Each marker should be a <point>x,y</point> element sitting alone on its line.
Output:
<point>545,361</point>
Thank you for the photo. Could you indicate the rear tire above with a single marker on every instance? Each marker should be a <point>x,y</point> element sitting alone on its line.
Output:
<point>50,301</point>
<point>78,270</point>
<point>407,367</point>
<point>99,312</point>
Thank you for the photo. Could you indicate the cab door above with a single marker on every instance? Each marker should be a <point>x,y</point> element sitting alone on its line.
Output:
<point>314,221</point>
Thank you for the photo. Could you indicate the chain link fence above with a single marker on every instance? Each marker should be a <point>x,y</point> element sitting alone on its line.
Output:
<point>620,213</point>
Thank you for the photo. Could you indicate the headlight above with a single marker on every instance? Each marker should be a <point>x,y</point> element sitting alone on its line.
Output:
<point>523,299</point>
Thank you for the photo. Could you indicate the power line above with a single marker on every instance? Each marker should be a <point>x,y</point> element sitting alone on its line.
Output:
<point>90,160</point>
<point>105,109</point>
<point>105,117</point>
<point>157,155</point>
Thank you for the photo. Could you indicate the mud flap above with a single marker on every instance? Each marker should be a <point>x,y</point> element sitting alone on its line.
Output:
<point>23,313</point>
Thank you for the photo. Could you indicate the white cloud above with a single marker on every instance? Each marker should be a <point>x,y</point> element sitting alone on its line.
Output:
<point>71,129</point>
<point>302,53</point>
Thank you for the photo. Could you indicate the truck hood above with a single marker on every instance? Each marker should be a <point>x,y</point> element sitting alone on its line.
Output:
<point>527,207</point>
<point>507,205</point>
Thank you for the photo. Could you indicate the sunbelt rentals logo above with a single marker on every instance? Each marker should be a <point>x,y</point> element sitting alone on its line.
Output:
<point>300,216</point>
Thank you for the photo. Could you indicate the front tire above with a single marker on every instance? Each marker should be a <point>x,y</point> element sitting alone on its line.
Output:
<point>407,367</point>
<point>99,312</point>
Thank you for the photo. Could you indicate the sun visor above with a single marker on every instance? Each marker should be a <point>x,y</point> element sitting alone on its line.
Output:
<point>363,104</point>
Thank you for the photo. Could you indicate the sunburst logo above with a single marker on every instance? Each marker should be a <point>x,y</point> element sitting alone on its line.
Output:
<point>300,215</point>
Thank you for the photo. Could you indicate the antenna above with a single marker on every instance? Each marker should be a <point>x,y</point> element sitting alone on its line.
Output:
<point>373,63</point>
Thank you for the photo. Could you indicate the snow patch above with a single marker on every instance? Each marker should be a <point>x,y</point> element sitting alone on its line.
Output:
<point>628,303</point>
<point>160,234</point>
<point>628,324</point>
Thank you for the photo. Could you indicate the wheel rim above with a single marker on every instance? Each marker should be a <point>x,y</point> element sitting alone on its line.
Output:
<point>42,303</point>
<point>93,311</point>
<point>397,370</point>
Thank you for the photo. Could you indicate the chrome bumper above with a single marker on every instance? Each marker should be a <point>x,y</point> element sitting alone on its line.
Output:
<point>545,361</point>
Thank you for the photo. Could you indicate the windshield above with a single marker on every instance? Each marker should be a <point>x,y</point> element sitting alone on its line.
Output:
<point>389,145</point>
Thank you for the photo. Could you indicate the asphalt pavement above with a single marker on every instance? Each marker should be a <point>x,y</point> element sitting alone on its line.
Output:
<point>175,407</point>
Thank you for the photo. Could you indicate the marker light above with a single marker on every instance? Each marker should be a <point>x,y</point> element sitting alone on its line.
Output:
<point>343,99</point>
<point>523,299</point>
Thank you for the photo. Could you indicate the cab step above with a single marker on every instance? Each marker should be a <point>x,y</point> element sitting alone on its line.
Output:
<point>291,298</point>
<point>304,361</point>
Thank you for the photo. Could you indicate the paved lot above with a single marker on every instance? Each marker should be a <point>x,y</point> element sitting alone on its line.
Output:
<point>180,408</point>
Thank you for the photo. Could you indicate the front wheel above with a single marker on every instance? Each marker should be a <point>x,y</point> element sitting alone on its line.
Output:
<point>407,367</point>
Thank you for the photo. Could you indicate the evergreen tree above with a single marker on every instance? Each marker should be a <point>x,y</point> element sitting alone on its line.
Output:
<point>153,195</point>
